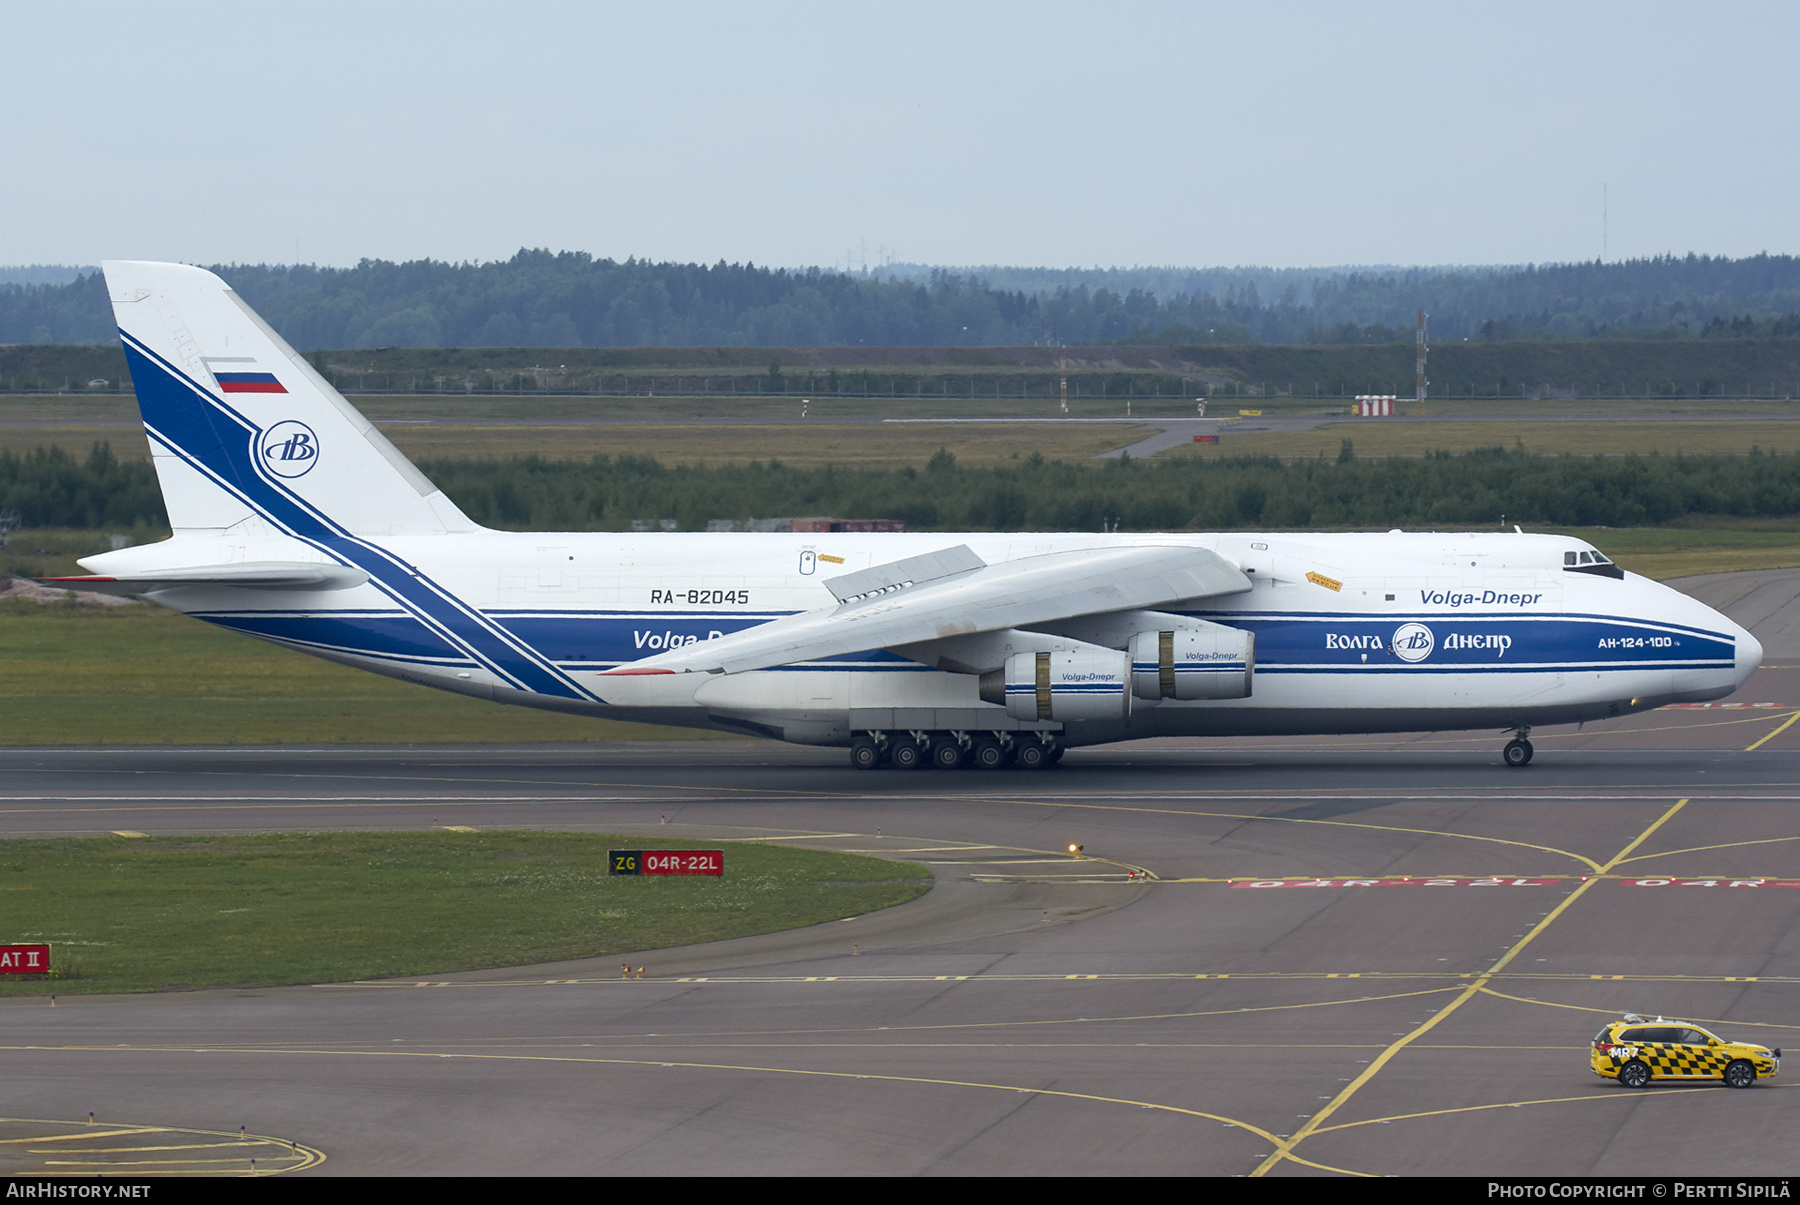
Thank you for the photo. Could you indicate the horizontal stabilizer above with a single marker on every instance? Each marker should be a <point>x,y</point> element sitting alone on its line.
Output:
<point>1008,595</point>
<point>259,575</point>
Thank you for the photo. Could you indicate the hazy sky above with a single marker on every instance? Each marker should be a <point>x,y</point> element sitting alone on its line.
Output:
<point>959,133</point>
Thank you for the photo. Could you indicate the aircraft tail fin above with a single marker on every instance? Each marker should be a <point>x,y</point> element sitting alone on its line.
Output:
<point>242,427</point>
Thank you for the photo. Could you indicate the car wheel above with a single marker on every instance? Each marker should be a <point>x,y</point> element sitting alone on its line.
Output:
<point>1032,755</point>
<point>1740,1074</point>
<point>1634,1075</point>
<point>907,756</point>
<point>865,754</point>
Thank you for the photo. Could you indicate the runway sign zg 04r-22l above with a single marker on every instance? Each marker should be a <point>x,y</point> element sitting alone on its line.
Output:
<point>668,861</point>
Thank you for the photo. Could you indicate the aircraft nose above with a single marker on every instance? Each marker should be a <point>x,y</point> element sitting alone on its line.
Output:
<point>1749,654</point>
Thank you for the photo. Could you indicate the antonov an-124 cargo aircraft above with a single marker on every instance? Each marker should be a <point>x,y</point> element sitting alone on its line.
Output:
<point>296,521</point>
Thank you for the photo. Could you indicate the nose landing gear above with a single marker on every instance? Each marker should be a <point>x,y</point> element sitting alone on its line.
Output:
<point>1518,751</point>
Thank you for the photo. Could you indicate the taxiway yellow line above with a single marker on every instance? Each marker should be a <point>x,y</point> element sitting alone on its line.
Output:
<point>305,1155</point>
<point>1519,1104</point>
<point>929,1081</point>
<point>1613,1012</point>
<point>191,1146</point>
<point>1703,848</point>
<point>78,1136</point>
<point>1774,734</point>
<point>1313,1123</point>
<point>1384,828</point>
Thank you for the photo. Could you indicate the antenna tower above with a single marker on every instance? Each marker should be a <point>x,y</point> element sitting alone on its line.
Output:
<point>1065,377</point>
<point>1419,364</point>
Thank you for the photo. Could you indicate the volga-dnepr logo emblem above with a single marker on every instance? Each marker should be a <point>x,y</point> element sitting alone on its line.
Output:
<point>289,448</point>
<point>1413,642</point>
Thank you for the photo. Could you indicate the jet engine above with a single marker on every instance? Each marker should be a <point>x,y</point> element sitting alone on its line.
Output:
<point>1086,684</point>
<point>1210,662</point>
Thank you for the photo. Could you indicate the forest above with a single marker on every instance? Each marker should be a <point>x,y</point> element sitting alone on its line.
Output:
<point>567,299</point>
<point>49,487</point>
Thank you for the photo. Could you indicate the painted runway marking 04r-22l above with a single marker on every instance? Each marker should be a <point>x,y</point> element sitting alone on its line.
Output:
<point>1709,882</point>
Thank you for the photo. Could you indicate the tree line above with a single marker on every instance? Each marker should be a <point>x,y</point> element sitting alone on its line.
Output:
<point>1601,368</point>
<point>50,488</point>
<point>570,299</point>
<point>1443,489</point>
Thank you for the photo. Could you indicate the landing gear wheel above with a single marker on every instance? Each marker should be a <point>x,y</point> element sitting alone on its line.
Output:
<point>1517,752</point>
<point>1033,755</point>
<point>1740,1074</point>
<point>907,756</point>
<point>865,754</point>
<point>988,754</point>
<point>947,753</point>
<point>1636,1075</point>
<point>1056,752</point>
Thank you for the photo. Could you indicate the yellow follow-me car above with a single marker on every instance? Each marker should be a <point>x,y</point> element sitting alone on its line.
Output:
<point>1636,1050</point>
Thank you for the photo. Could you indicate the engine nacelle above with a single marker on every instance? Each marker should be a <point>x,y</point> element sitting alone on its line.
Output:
<point>1213,662</point>
<point>1081,685</point>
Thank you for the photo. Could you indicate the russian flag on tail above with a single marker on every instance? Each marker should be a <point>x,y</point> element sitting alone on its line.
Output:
<point>248,382</point>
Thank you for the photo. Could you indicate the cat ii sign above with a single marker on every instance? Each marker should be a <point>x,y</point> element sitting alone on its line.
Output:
<point>24,960</point>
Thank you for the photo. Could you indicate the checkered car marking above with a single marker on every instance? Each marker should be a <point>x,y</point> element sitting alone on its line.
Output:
<point>1677,1060</point>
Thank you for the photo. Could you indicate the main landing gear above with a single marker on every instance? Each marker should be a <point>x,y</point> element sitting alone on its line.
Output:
<point>954,750</point>
<point>1518,750</point>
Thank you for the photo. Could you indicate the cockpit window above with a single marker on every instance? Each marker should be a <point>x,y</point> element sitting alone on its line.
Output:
<point>1590,561</point>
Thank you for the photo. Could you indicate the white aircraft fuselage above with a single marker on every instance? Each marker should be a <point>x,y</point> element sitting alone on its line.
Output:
<point>297,523</point>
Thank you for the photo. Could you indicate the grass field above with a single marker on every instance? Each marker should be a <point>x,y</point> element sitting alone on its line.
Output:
<point>142,913</point>
<point>1371,437</point>
<point>52,551</point>
<point>451,426</point>
<point>140,675</point>
<point>847,446</point>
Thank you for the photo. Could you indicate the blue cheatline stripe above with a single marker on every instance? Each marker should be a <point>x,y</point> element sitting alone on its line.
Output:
<point>1447,616</point>
<point>317,646</point>
<point>384,574</point>
<point>1487,644</point>
<point>1639,667</point>
<point>176,410</point>
<point>511,660</point>
<point>1217,667</point>
<point>396,634</point>
<point>1103,688</point>
<point>570,644</point>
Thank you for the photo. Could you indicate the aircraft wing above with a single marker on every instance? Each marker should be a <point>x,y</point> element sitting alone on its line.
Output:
<point>890,605</point>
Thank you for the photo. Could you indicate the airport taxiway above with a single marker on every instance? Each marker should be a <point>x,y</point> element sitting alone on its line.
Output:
<point>1281,957</point>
